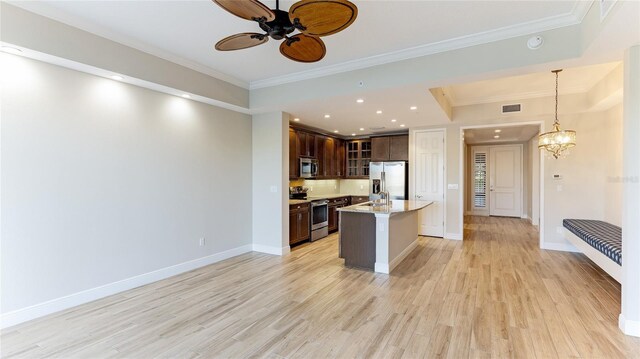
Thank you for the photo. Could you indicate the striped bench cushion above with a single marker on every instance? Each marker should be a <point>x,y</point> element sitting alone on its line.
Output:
<point>603,236</point>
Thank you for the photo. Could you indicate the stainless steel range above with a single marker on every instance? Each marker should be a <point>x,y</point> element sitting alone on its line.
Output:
<point>319,219</point>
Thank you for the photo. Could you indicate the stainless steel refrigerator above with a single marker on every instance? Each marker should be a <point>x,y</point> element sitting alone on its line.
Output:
<point>395,178</point>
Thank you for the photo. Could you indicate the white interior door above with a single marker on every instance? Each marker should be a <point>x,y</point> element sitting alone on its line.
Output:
<point>505,180</point>
<point>429,181</point>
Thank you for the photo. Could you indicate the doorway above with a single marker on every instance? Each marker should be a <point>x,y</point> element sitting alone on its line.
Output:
<point>501,172</point>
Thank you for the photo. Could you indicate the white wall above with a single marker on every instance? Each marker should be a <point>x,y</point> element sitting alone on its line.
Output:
<point>270,183</point>
<point>103,181</point>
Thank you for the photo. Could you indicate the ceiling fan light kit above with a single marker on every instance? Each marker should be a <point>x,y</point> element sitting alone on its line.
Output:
<point>312,18</point>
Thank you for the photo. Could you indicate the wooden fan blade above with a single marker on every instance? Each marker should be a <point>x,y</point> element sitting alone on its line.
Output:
<point>303,48</point>
<point>323,17</point>
<point>241,41</point>
<point>247,9</point>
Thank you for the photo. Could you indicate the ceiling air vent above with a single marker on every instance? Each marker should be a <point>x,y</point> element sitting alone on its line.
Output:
<point>377,128</point>
<point>511,108</point>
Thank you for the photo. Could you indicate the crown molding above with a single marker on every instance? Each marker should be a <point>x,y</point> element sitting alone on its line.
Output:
<point>576,16</point>
<point>42,9</point>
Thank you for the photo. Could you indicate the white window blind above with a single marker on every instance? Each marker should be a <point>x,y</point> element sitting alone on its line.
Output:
<point>480,179</point>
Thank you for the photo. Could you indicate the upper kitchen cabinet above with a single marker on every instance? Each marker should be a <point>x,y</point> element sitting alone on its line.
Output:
<point>306,144</point>
<point>294,163</point>
<point>341,157</point>
<point>358,158</point>
<point>390,148</point>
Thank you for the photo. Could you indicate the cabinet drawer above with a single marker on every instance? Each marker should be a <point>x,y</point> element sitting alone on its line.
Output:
<point>302,207</point>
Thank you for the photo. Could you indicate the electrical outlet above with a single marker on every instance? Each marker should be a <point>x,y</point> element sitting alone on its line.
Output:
<point>559,230</point>
<point>311,189</point>
<point>274,189</point>
<point>559,188</point>
<point>202,242</point>
<point>361,186</point>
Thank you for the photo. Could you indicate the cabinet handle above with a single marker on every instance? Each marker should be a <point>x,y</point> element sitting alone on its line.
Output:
<point>298,207</point>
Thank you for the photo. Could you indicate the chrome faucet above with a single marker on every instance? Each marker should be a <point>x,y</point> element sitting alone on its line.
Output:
<point>384,195</point>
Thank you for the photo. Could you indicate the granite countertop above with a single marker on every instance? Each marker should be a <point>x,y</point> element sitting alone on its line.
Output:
<point>397,206</point>
<point>329,196</point>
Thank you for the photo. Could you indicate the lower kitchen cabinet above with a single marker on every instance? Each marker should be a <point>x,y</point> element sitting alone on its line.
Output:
<point>334,215</point>
<point>299,223</point>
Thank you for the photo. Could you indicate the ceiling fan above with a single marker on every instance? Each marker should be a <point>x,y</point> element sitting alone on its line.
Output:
<point>312,18</point>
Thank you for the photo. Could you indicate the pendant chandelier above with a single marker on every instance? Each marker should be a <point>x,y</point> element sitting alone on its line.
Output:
<point>557,141</point>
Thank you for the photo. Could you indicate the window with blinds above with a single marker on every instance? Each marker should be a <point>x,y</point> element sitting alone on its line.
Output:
<point>480,179</point>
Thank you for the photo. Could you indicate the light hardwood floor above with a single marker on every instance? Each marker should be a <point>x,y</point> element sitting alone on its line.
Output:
<point>493,295</point>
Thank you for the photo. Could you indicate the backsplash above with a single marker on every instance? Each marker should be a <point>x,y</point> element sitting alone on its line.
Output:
<point>359,187</point>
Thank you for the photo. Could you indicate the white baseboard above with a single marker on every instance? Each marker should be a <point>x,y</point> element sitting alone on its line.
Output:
<point>454,236</point>
<point>629,327</point>
<point>279,251</point>
<point>381,268</point>
<point>563,247</point>
<point>55,305</point>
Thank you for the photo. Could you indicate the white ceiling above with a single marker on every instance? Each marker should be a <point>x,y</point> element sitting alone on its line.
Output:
<point>571,80</point>
<point>185,31</point>
<point>348,116</point>
<point>478,136</point>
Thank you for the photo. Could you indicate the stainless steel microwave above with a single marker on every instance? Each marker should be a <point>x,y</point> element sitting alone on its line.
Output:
<point>308,168</point>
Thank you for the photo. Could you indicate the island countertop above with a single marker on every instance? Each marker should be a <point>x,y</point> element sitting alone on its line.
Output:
<point>397,206</point>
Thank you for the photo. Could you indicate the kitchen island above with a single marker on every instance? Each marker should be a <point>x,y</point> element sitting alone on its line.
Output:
<point>378,238</point>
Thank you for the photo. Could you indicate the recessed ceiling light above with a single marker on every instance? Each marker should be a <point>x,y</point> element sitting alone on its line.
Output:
<point>11,49</point>
<point>361,129</point>
<point>186,95</point>
<point>353,134</point>
<point>327,116</point>
<point>117,77</point>
<point>379,112</point>
<point>335,131</point>
<point>394,120</point>
<point>359,100</point>
<point>402,125</point>
<point>497,131</point>
<point>413,108</point>
<point>496,136</point>
<point>296,119</point>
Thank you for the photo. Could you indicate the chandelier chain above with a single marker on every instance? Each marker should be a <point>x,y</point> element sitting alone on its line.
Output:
<point>556,121</point>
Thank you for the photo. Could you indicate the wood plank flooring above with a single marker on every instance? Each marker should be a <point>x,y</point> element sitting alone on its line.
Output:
<point>494,295</point>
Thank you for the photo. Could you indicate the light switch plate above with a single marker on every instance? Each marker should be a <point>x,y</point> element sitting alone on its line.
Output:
<point>452,186</point>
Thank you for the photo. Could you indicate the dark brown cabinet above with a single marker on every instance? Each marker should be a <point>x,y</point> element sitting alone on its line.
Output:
<point>329,158</point>
<point>341,157</point>
<point>358,158</point>
<point>390,148</point>
<point>334,215</point>
<point>306,144</point>
<point>299,225</point>
<point>320,154</point>
<point>294,163</point>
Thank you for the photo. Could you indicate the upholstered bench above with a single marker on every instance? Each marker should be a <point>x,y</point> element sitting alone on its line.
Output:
<point>598,240</point>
